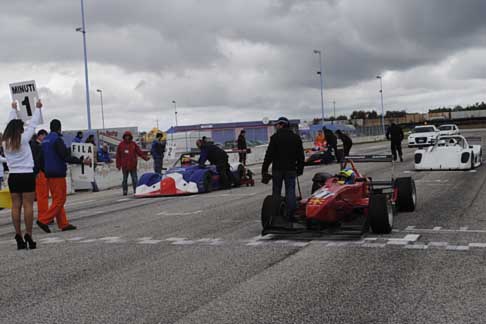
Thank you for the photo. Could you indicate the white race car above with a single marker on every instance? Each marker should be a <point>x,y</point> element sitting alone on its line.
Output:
<point>449,153</point>
<point>448,129</point>
<point>423,136</point>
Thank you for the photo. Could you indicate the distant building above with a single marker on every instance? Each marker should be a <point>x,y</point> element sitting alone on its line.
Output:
<point>226,133</point>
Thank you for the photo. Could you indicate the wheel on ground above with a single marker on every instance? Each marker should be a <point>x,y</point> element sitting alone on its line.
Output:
<point>472,160</point>
<point>240,174</point>
<point>380,214</point>
<point>407,194</point>
<point>208,182</point>
<point>274,212</point>
<point>319,180</point>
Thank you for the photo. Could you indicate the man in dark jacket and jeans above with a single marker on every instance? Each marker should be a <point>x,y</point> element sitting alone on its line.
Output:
<point>395,135</point>
<point>286,154</point>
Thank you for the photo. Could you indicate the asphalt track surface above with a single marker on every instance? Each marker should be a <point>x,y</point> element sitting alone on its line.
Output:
<point>200,259</point>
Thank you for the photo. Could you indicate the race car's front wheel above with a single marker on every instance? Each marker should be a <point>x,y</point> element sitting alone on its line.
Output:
<point>274,212</point>
<point>407,194</point>
<point>381,214</point>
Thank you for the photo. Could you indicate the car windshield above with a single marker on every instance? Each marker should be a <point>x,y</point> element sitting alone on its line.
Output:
<point>423,129</point>
<point>445,127</point>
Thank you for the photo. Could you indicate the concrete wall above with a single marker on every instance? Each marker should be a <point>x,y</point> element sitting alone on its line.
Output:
<point>107,176</point>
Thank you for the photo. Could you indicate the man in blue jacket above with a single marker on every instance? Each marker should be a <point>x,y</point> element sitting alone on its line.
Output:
<point>56,156</point>
<point>103,154</point>
<point>157,151</point>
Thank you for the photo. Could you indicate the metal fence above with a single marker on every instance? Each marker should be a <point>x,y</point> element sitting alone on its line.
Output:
<point>369,131</point>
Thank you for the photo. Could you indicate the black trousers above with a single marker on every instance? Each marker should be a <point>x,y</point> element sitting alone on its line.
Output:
<point>396,147</point>
<point>225,175</point>
<point>242,157</point>
<point>346,149</point>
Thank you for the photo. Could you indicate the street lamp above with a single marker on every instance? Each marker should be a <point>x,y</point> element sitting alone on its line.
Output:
<point>83,31</point>
<point>320,75</point>
<point>175,111</point>
<point>334,108</point>
<point>102,113</point>
<point>382,107</point>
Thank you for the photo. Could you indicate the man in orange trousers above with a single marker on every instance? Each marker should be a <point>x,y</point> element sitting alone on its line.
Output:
<point>41,188</point>
<point>56,156</point>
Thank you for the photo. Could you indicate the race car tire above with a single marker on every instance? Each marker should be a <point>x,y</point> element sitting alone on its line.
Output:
<point>407,194</point>
<point>381,214</point>
<point>208,182</point>
<point>274,212</point>
<point>240,174</point>
<point>318,180</point>
<point>472,160</point>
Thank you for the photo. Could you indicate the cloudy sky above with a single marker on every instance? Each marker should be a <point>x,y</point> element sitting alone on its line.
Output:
<point>232,60</point>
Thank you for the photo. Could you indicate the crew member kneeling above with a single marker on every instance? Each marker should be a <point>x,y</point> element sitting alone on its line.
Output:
<point>217,157</point>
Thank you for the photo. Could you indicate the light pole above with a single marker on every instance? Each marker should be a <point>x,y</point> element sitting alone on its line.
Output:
<point>382,107</point>
<point>175,111</point>
<point>334,108</point>
<point>83,31</point>
<point>102,112</point>
<point>320,75</point>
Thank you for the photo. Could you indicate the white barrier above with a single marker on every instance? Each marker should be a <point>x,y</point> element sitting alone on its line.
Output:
<point>107,176</point>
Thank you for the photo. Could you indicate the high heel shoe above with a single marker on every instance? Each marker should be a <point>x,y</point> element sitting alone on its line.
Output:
<point>30,243</point>
<point>20,242</point>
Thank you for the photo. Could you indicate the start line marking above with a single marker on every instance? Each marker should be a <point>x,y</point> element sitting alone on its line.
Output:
<point>180,214</point>
<point>409,241</point>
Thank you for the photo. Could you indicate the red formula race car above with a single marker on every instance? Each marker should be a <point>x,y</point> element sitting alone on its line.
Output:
<point>343,205</point>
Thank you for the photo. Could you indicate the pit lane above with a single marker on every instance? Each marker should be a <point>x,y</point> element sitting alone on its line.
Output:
<point>199,259</point>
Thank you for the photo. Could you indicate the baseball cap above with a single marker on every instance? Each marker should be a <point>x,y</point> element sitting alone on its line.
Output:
<point>282,120</point>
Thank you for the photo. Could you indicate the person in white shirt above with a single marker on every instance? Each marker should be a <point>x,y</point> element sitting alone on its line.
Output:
<point>21,179</point>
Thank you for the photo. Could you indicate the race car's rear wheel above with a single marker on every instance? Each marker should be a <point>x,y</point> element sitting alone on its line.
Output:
<point>240,174</point>
<point>208,182</point>
<point>407,194</point>
<point>319,180</point>
<point>274,212</point>
<point>472,160</point>
<point>380,213</point>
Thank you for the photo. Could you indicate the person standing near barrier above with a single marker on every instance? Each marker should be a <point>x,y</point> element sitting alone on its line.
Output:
<point>56,156</point>
<point>127,155</point>
<point>157,150</point>
<point>331,140</point>
<point>394,133</point>
<point>242,147</point>
<point>347,142</point>
<point>320,139</point>
<point>104,154</point>
<point>21,180</point>
<point>78,138</point>
<point>285,153</point>
<point>41,187</point>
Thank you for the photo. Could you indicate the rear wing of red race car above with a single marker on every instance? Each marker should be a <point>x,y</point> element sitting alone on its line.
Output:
<point>369,158</point>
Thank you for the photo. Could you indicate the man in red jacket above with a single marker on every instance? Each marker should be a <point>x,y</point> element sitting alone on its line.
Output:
<point>127,155</point>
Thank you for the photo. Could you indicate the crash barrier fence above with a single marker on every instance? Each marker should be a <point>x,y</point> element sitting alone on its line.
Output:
<point>107,176</point>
